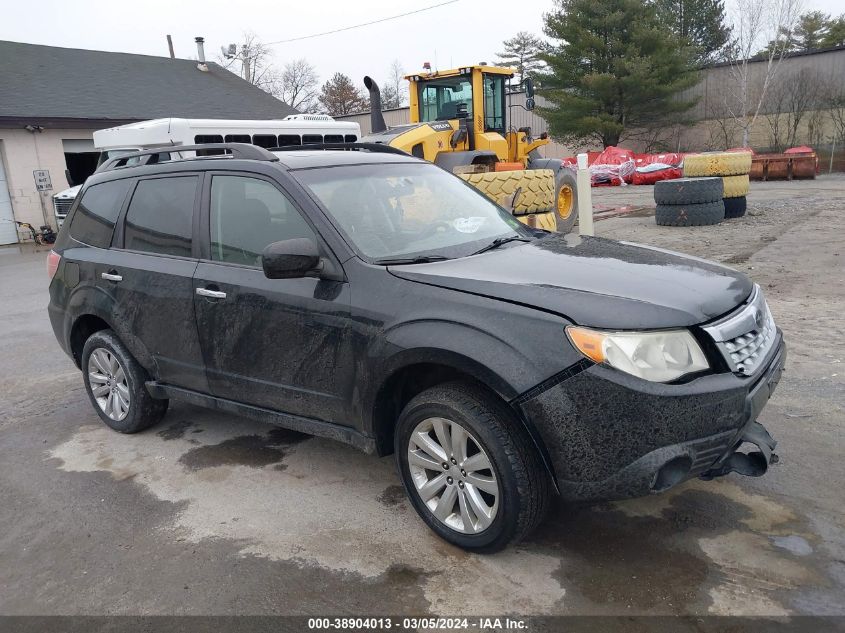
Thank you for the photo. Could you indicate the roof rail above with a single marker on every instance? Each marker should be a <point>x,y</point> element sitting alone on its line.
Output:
<point>237,150</point>
<point>372,147</point>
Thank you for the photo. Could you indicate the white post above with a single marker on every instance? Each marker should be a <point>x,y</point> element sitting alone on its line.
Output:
<point>585,197</point>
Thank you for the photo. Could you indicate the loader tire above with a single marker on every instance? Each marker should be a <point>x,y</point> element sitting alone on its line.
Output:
<point>688,191</point>
<point>735,207</point>
<point>702,214</point>
<point>717,164</point>
<point>735,186</point>
<point>566,201</point>
<point>537,188</point>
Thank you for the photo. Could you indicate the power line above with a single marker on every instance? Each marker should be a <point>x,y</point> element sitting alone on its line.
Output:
<point>357,26</point>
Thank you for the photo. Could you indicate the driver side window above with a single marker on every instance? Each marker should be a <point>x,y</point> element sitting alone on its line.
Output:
<point>247,214</point>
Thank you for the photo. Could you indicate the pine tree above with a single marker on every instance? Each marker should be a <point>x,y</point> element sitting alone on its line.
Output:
<point>811,31</point>
<point>613,68</point>
<point>340,96</point>
<point>700,23</point>
<point>835,33</point>
<point>522,53</point>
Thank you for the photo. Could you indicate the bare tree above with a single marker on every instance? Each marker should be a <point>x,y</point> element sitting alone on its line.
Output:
<point>299,85</point>
<point>339,96</point>
<point>395,90</point>
<point>252,61</point>
<point>756,21</point>
<point>835,104</point>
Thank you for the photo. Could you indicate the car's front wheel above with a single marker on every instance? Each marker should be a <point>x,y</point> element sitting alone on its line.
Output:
<point>469,468</point>
<point>115,384</point>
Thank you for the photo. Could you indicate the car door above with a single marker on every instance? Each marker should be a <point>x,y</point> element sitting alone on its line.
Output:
<point>150,273</point>
<point>281,344</point>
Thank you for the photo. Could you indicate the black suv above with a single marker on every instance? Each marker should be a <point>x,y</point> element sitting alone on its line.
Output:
<point>373,298</point>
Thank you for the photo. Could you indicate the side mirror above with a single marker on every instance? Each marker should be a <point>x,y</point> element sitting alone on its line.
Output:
<point>529,88</point>
<point>290,259</point>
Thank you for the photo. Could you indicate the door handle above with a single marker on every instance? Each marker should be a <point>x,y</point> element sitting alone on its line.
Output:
<point>214,294</point>
<point>111,277</point>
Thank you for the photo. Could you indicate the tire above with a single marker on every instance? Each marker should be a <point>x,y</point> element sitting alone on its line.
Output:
<point>521,483</point>
<point>690,214</point>
<point>688,191</point>
<point>565,201</point>
<point>107,363</point>
<point>717,164</point>
<point>735,207</point>
<point>536,187</point>
<point>735,186</point>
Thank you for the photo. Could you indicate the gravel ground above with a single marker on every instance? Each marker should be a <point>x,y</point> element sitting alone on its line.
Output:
<point>207,514</point>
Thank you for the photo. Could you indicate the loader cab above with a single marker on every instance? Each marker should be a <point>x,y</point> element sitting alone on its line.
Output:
<point>442,96</point>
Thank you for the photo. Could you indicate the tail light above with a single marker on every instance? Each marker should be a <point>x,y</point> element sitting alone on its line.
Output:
<point>53,259</point>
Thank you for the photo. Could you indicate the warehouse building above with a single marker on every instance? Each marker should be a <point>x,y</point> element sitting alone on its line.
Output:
<point>52,100</point>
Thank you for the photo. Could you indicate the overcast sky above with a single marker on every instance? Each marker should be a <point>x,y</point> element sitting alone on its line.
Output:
<point>463,32</point>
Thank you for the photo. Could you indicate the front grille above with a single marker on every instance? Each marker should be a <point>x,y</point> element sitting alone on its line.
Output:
<point>62,206</point>
<point>746,336</point>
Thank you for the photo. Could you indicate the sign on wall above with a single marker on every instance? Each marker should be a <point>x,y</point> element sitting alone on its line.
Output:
<point>42,179</point>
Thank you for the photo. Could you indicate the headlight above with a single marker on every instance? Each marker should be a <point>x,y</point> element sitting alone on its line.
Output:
<point>656,356</point>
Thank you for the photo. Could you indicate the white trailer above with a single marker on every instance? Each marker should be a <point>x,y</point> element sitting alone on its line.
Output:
<point>294,129</point>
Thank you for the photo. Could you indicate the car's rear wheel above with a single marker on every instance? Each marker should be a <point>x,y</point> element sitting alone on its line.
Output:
<point>115,384</point>
<point>470,470</point>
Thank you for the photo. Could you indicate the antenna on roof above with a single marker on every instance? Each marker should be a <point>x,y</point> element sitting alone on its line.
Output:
<point>170,47</point>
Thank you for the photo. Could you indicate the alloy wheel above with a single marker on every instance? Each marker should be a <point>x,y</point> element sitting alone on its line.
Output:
<point>453,475</point>
<point>108,384</point>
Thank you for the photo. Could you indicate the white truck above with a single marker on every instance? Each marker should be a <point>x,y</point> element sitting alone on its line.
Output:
<point>294,129</point>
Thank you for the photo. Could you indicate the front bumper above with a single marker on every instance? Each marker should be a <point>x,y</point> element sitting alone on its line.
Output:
<point>613,436</point>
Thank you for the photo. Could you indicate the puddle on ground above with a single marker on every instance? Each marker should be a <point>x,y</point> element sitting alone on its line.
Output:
<point>701,548</point>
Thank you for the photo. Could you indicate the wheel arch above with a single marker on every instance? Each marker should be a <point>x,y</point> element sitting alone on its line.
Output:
<point>424,369</point>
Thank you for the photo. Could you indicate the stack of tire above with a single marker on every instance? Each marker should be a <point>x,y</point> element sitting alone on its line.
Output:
<point>689,202</point>
<point>732,167</point>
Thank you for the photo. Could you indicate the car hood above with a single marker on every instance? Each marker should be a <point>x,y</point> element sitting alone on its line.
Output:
<point>594,281</point>
<point>72,192</point>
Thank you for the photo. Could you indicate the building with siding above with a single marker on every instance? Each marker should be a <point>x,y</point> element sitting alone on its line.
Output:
<point>52,99</point>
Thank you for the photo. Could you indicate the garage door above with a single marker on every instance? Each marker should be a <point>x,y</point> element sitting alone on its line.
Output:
<point>8,228</point>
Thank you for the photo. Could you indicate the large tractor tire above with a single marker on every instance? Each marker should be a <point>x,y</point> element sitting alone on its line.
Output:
<point>536,189</point>
<point>735,207</point>
<point>735,186</point>
<point>688,191</point>
<point>717,164</point>
<point>690,214</point>
<point>566,201</point>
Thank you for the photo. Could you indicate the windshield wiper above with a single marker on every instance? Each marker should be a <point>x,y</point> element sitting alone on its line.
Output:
<point>421,259</point>
<point>501,240</point>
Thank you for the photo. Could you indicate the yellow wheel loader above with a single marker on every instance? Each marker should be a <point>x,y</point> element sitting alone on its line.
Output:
<point>459,121</point>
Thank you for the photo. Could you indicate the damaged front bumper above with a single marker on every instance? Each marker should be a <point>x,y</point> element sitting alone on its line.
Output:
<point>610,436</point>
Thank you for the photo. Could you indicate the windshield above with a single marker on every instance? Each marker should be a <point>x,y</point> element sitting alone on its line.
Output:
<point>440,98</point>
<point>408,210</point>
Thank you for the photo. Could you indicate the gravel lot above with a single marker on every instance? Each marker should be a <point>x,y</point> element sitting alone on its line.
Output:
<point>208,514</point>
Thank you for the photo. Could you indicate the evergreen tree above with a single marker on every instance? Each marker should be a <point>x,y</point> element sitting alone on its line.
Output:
<point>340,96</point>
<point>522,53</point>
<point>613,68</point>
<point>835,33</point>
<point>699,23</point>
<point>812,28</point>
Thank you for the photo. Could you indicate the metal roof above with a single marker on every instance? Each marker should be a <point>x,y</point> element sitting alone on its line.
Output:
<point>52,84</point>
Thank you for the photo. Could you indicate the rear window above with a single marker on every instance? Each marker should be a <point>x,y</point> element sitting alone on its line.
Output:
<point>93,221</point>
<point>160,216</point>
